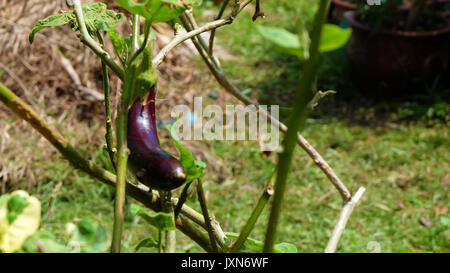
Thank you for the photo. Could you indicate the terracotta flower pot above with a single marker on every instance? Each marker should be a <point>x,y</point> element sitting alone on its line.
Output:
<point>396,61</point>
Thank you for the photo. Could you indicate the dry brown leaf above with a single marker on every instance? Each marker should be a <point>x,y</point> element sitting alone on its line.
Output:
<point>441,210</point>
<point>425,222</point>
<point>445,180</point>
<point>403,181</point>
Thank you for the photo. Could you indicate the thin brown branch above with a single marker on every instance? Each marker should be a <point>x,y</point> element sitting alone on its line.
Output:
<point>198,218</point>
<point>181,200</point>
<point>193,215</point>
<point>219,235</point>
<point>342,221</point>
<point>190,18</point>
<point>183,37</point>
<point>192,232</point>
<point>258,12</point>
<point>202,201</point>
<point>213,32</point>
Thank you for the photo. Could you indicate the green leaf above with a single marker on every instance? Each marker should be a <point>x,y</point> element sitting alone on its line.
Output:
<point>445,221</point>
<point>134,209</point>
<point>51,21</point>
<point>86,229</point>
<point>119,44</point>
<point>285,248</point>
<point>148,243</point>
<point>333,37</point>
<point>16,205</point>
<point>166,13</point>
<point>4,198</point>
<point>96,16</point>
<point>288,42</point>
<point>249,242</point>
<point>43,241</point>
<point>196,2</point>
<point>88,237</point>
<point>280,36</point>
<point>154,10</point>
<point>200,164</point>
<point>161,220</point>
<point>194,168</point>
<point>19,217</point>
<point>136,8</point>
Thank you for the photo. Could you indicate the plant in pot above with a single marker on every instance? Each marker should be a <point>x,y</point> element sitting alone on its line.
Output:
<point>397,49</point>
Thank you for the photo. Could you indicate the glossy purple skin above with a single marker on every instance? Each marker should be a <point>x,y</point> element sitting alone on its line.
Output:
<point>152,165</point>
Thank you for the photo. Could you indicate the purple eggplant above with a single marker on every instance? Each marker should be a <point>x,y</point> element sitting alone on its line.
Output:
<point>152,165</point>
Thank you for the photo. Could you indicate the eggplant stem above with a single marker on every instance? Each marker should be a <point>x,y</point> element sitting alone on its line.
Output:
<point>170,235</point>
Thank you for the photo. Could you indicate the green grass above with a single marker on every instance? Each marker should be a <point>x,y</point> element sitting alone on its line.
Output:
<point>378,158</point>
<point>371,157</point>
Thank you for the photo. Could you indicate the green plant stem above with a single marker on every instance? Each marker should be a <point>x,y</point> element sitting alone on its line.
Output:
<point>170,235</point>
<point>87,40</point>
<point>160,241</point>
<point>75,158</point>
<point>181,200</point>
<point>194,216</point>
<point>122,157</point>
<point>194,233</point>
<point>250,224</point>
<point>295,123</point>
<point>147,30</point>
<point>108,125</point>
<point>202,200</point>
<point>122,146</point>
<point>135,34</point>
